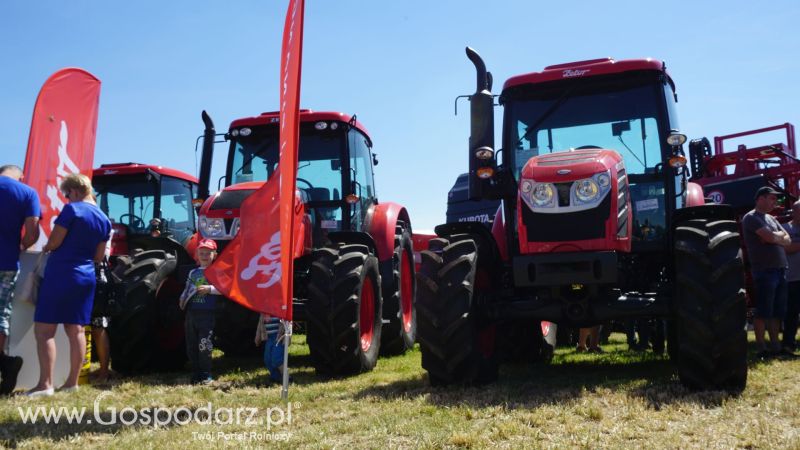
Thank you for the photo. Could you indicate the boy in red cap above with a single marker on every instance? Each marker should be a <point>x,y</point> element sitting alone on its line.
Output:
<point>199,299</point>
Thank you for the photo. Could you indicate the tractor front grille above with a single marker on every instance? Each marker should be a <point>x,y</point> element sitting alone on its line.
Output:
<point>570,226</point>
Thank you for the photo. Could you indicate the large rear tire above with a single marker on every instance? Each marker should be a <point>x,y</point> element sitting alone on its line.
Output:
<point>710,306</point>
<point>136,323</point>
<point>456,347</point>
<point>344,310</point>
<point>400,318</point>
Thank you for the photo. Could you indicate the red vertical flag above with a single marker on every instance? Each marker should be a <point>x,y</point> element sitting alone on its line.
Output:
<point>62,137</point>
<point>256,268</point>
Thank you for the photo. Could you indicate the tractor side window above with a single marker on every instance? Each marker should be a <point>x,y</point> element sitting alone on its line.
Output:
<point>361,173</point>
<point>177,213</point>
<point>127,200</point>
<point>649,211</point>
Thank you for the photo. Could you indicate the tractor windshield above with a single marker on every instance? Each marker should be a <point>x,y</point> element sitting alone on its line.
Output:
<point>133,200</point>
<point>616,116</point>
<point>127,199</point>
<point>319,167</point>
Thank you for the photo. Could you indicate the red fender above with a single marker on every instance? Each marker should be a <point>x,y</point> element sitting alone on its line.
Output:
<point>499,233</point>
<point>695,195</point>
<point>383,224</point>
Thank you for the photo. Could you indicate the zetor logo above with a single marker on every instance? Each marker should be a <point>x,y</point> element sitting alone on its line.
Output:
<point>569,73</point>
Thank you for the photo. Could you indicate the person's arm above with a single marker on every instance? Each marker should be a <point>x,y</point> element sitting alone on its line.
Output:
<point>100,252</point>
<point>773,237</point>
<point>56,238</point>
<point>31,232</point>
<point>792,248</point>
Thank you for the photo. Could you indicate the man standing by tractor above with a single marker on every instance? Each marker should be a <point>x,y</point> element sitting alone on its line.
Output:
<point>20,206</point>
<point>765,240</point>
<point>793,278</point>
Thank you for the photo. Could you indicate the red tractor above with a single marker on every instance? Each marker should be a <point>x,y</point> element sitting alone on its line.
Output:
<point>150,258</point>
<point>732,177</point>
<point>354,282</point>
<point>598,222</point>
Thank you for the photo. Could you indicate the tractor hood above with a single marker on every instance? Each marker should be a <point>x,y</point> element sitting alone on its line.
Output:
<point>572,165</point>
<point>226,203</point>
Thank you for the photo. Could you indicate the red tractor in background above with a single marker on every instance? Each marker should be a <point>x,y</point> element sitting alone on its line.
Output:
<point>354,282</point>
<point>598,222</point>
<point>732,177</point>
<point>150,259</point>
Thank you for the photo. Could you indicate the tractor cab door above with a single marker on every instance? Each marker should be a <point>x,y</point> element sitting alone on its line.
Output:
<point>362,183</point>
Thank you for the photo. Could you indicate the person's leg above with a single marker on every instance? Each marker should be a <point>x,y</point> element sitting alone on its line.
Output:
<point>46,351</point>
<point>191,343</point>
<point>205,332</point>
<point>594,339</point>
<point>764,285</point>
<point>778,310</point>
<point>790,320</point>
<point>8,281</point>
<point>102,345</point>
<point>77,352</point>
<point>582,336</point>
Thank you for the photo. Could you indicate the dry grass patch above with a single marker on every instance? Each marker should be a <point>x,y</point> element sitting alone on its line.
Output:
<point>619,399</point>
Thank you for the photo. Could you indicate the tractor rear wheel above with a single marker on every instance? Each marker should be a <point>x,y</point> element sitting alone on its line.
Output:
<point>710,306</point>
<point>456,347</point>
<point>400,328</point>
<point>344,310</point>
<point>136,323</point>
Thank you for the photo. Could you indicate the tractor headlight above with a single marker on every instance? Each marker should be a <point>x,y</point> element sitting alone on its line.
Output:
<point>543,194</point>
<point>586,190</point>
<point>211,227</point>
<point>603,180</point>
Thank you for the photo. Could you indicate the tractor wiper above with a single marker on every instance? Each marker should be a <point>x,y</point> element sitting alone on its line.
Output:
<point>545,115</point>
<point>256,154</point>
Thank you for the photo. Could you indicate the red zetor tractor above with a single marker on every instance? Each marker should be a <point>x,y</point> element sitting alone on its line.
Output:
<point>598,222</point>
<point>354,283</point>
<point>149,258</point>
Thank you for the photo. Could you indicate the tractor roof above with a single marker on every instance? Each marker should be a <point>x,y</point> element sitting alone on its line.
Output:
<point>588,68</point>
<point>306,115</point>
<point>131,168</point>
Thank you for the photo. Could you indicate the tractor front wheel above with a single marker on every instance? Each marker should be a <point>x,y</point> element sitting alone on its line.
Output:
<point>710,306</point>
<point>456,347</point>
<point>344,310</point>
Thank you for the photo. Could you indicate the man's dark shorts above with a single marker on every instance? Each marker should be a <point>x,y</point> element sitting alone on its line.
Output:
<point>771,293</point>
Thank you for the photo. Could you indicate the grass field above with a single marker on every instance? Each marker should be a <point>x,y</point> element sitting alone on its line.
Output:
<point>619,399</point>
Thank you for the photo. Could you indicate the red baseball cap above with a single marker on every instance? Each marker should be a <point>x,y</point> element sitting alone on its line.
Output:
<point>207,243</point>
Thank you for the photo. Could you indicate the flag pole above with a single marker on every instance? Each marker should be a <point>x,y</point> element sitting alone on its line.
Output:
<point>287,339</point>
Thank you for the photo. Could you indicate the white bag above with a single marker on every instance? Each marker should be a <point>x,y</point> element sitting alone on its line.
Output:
<point>29,290</point>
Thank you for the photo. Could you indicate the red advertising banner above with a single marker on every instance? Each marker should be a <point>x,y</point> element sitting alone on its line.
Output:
<point>62,137</point>
<point>256,268</point>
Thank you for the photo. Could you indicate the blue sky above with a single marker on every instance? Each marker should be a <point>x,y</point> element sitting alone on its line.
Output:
<point>397,65</point>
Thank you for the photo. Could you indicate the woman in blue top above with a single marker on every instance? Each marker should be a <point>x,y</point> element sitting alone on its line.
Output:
<point>77,241</point>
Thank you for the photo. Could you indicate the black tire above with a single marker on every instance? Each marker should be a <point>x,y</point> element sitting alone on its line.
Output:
<point>400,317</point>
<point>710,306</point>
<point>344,281</point>
<point>456,347</point>
<point>134,329</point>
<point>234,329</point>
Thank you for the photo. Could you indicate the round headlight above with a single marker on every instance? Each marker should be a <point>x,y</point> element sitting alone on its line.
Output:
<point>245,131</point>
<point>526,186</point>
<point>603,180</point>
<point>543,194</point>
<point>586,190</point>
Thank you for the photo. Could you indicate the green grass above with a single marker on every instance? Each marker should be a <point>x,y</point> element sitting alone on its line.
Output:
<point>620,399</point>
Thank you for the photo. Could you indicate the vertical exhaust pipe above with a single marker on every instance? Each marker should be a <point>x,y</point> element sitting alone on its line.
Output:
<point>209,134</point>
<point>481,139</point>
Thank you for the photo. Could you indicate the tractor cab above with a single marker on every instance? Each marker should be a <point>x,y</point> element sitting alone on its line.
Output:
<point>334,175</point>
<point>149,206</point>
<point>560,123</point>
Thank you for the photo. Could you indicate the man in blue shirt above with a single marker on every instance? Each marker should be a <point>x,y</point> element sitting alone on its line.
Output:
<point>20,206</point>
